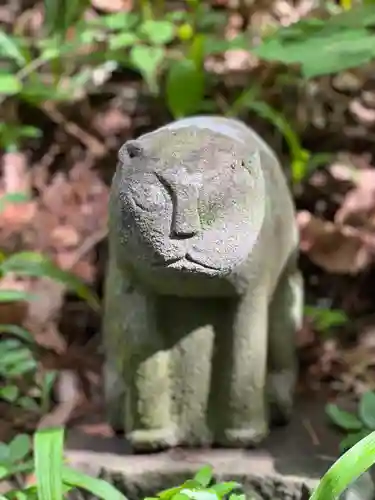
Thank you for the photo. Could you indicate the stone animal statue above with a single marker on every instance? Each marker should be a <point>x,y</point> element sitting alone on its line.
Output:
<point>203,296</point>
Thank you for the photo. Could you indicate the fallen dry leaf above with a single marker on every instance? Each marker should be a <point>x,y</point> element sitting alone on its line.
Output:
<point>335,248</point>
<point>112,5</point>
<point>65,236</point>
<point>358,208</point>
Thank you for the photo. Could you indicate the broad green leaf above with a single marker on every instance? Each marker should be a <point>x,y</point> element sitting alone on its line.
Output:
<point>366,409</point>
<point>204,476</point>
<point>19,447</point>
<point>122,40</point>
<point>346,469</point>
<point>9,393</point>
<point>96,487</point>
<point>4,452</point>
<point>185,87</point>
<point>147,60</point>
<point>48,456</point>
<point>339,49</point>
<point>37,265</point>
<point>158,32</point>
<point>352,438</point>
<point>358,17</point>
<point>342,418</point>
<point>9,84</point>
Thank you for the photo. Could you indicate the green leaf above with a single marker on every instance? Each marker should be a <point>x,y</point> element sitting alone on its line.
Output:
<point>147,60</point>
<point>180,496</point>
<point>28,403</point>
<point>122,40</point>
<point>123,21</point>
<point>324,319</point>
<point>10,48</point>
<point>224,488</point>
<point>169,493</point>
<point>17,363</point>
<point>48,455</point>
<point>236,496</point>
<point>19,447</point>
<point>339,49</point>
<point>352,439</point>
<point>9,393</point>
<point>9,84</point>
<point>14,295</point>
<point>366,409</point>
<point>4,452</point>
<point>13,198</point>
<point>61,15</point>
<point>185,87</point>
<point>8,470</point>
<point>206,494</point>
<point>17,331</point>
<point>346,469</point>
<point>217,45</point>
<point>158,32</point>
<point>37,265</point>
<point>204,476</point>
<point>96,487</point>
<point>342,418</point>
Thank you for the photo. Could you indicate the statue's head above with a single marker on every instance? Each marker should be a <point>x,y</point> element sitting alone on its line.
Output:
<point>187,199</point>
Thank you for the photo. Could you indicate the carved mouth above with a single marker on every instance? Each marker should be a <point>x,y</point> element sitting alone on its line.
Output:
<point>185,263</point>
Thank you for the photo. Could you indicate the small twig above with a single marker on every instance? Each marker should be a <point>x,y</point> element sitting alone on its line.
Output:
<point>96,147</point>
<point>88,245</point>
<point>314,437</point>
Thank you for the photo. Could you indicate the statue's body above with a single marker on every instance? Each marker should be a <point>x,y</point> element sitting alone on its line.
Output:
<point>203,295</point>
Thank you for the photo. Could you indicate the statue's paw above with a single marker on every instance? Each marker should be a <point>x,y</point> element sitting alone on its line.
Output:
<point>280,397</point>
<point>146,440</point>
<point>248,437</point>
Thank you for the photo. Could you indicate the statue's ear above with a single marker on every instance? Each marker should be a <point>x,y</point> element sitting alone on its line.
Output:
<point>252,162</point>
<point>131,149</point>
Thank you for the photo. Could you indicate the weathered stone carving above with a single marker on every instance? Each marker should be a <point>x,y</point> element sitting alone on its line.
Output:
<point>203,295</point>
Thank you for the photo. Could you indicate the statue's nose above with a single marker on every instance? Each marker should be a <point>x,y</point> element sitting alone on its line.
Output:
<point>186,222</point>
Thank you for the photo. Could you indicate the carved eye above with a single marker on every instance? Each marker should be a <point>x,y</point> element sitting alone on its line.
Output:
<point>131,149</point>
<point>134,149</point>
<point>149,197</point>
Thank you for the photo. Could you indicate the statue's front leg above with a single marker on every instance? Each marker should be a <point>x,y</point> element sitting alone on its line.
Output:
<point>238,412</point>
<point>285,318</point>
<point>136,373</point>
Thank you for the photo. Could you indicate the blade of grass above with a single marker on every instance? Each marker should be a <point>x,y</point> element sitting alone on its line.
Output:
<point>97,487</point>
<point>346,469</point>
<point>48,456</point>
